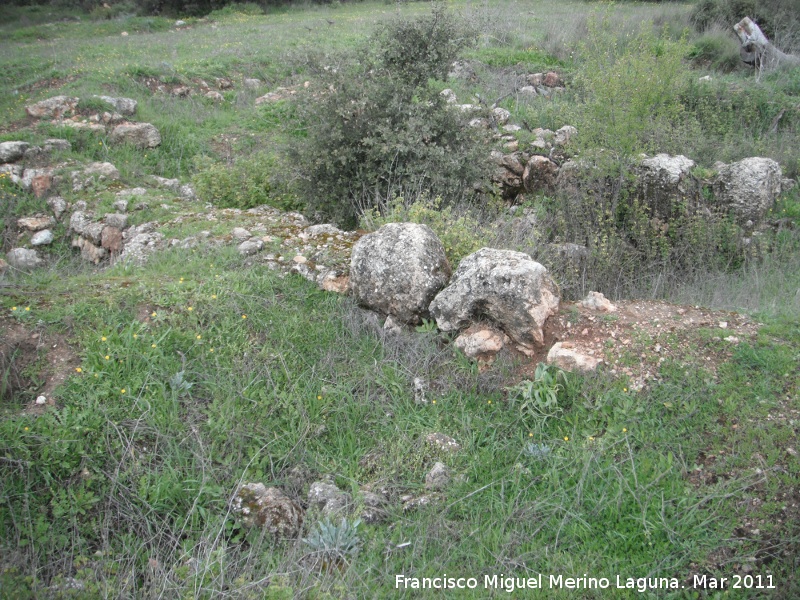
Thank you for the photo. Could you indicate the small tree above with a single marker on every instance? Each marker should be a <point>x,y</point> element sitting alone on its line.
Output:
<point>380,128</point>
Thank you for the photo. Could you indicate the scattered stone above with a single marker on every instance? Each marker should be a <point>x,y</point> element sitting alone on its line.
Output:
<point>111,239</point>
<point>56,144</point>
<point>124,106</point>
<point>36,223</point>
<point>118,220</point>
<point>419,386</point>
<point>58,205</point>
<point>102,171</point>
<point>449,96</point>
<point>52,108</point>
<point>250,247</point>
<point>443,442</point>
<point>121,205</point>
<point>323,229</point>
<point>240,233</point>
<point>140,243</point>
<point>12,151</point>
<point>540,174</point>
<point>564,134</point>
<point>398,269</point>
<point>180,23</point>
<point>501,115</point>
<point>141,135</point>
<point>336,283</point>
<point>507,288</point>
<point>748,188</point>
<point>223,83</point>
<point>481,342</point>
<point>23,259</point>
<point>566,358</point>
<point>597,301</point>
<point>328,498</point>
<point>269,508</point>
<point>552,79</point>
<point>187,192</point>
<point>392,326</point>
<point>252,84</point>
<point>14,173</point>
<point>42,238</point>
<point>40,400</point>
<point>215,96</point>
<point>183,91</point>
<point>374,510</point>
<point>438,477</point>
<point>89,252</point>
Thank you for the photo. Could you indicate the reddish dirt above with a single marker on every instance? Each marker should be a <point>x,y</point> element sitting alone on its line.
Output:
<point>640,335</point>
<point>29,356</point>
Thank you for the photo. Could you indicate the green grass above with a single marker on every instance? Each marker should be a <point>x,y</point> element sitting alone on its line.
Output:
<point>233,373</point>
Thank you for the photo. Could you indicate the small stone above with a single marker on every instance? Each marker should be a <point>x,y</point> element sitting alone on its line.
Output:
<point>36,223</point>
<point>597,301</point>
<point>42,238</point>
<point>58,205</point>
<point>111,239</point>
<point>300,260</point>
<point>41,400</point>
<point>12,151</point>
<point>23,259</point>
<point>215,96</point>
<point>240,233</point>
<point>438,477</point>
<point>568,359</point>
<point>252,84</point>
<point>723,324</point>
<point>250,247</point>
<point>118,220</point>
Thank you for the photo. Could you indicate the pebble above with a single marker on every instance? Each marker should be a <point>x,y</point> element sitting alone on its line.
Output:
<point>41,400</point>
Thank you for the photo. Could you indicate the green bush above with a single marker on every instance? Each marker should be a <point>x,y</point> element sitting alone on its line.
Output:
<point>631,92</point>
<point>382,129</point>
<point>248,182</point>
<point>717,49</point>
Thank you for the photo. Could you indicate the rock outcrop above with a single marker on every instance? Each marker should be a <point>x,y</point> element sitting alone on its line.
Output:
<point>268,508</point>
<point>506,288</point>
<point>748,188</point>
<point>398,269</point>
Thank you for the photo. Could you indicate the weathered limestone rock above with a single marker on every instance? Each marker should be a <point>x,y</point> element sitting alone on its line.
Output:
<point>748,188</point>
<point>215,96</point>
<point>23,259</point>
<point>102,170</point>
<point>329,498</point>
<point>140,243</point>
<point>567,358</point>
<point>438,477</point>
<point>111,239</point>
<point>240,233</point>
<point>58,205</point>
<point>269,508</point>
<point>124,106</point>
<point>252,83</point>
<point>564,134</point>
<point>540,174</point>
<point>118,220</point>
<point>42,238</point>
<point>89,252</point>
<point>374,509</point>
<point>481,342</point>
<point>141,135</point>
<point>36,223</point>
<point>39,181</point>
<point>398,269</point>
<point>13,173</point>
<point>666,184</point>
<point>250,247</point>
<point>83,225</point>
<point>12,151</point>
<point>597,301</point>
<point>52,108</point>
<point>507,288</point>
<point>56,144</point>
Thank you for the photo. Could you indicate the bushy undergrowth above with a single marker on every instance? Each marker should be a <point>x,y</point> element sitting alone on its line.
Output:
<point>380,128</point>
<point>778,19</point>
<point>631,91</point>
<point>248,182</point>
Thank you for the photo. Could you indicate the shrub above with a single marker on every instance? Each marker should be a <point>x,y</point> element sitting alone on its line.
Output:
<point>248,182</point>
<point>382,129</point>
<point>631,92</point>
<point>778,19</point>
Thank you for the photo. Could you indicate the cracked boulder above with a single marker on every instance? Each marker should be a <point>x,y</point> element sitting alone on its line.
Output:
<point>508,289</point>
<point>398,269</point>
<point>140,135</point>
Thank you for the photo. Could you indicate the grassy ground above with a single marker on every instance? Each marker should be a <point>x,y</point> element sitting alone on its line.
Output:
<point>195,373</point>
